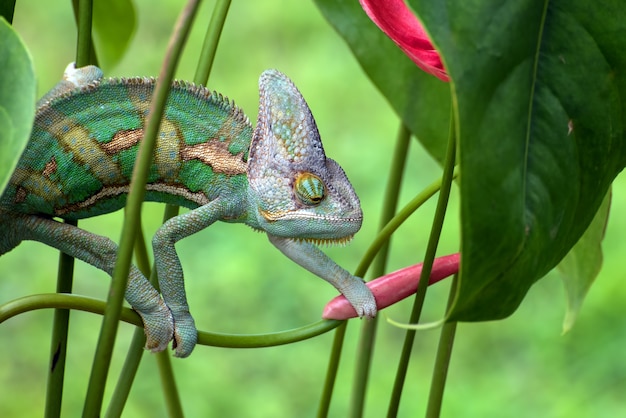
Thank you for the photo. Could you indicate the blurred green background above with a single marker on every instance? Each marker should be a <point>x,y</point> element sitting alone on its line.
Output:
<point>237,282</point>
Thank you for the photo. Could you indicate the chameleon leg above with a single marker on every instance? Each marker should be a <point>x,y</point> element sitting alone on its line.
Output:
<point>314,260</point>
<point>101,252</point>
<point>170,271</point>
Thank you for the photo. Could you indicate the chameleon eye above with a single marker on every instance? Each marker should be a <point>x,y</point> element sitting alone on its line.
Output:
<point>309,189</point>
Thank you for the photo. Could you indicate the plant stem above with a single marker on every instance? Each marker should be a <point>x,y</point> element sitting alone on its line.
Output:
<point>442,361</point>
<point>106,341</point>
<point>164,362</point>
<point>127,375</point>
<point>83,42</point>
<point>429,257</point>
<point>403,214</point>
<point>207,57</point>
<point>58,344</point>
<point>168,384</point>
<point>65,301</point>
<point>331,371</point>
<point>135,349</point>
<point>368,329</point>
<point>65,275</point>
<point>211,40</point>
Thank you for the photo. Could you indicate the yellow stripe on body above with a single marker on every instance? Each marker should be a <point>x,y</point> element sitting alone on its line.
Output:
<point>84,148</point>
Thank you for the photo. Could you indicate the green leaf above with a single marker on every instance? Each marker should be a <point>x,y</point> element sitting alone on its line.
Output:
<point>114,24</point>
<point>581,265</point>
<point>420,100</point>
<point>539,90</point>
<point>17,100</point>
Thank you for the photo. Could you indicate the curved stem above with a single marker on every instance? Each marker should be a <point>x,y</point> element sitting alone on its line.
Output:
<point>82,303</point>
<point>62,301</point>
<point>394,223</point>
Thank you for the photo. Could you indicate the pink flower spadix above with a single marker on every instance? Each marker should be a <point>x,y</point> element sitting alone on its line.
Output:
<point>394,287</point>
<point>400,24</point>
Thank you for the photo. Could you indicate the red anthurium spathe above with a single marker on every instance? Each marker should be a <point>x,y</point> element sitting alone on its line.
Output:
<point>400,24</point>
<point>394,287</point>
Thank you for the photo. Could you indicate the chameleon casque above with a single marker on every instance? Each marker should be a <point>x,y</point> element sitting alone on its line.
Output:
<point>275,178</point>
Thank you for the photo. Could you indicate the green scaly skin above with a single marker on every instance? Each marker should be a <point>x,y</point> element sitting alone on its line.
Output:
<point>275,178</point>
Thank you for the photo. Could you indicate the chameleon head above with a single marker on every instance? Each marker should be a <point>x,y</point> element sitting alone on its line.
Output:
<point>296,190</point>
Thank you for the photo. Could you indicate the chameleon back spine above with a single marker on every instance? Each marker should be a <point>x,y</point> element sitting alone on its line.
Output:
<point>83,146</point>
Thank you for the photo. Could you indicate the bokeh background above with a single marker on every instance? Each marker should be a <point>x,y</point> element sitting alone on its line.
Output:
<point>237,282</point>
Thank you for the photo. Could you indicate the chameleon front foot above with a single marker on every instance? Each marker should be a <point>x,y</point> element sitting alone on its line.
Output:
<point>360,297</point>
<point>185,335</point>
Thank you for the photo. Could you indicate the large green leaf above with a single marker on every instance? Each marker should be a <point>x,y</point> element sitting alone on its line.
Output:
<point>539,89</point>
<point>114,24</point>
<point>421,100</point>
<point>17,99</point>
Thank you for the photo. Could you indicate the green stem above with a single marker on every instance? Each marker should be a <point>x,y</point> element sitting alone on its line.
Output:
<point>368,330</point>
<point>61,301</point>
<point>332,369</point>
<point>83,41</point>
<point>65,275</point>
<point>429,257</point>
<point>207,57</point>
<point>381,238</point>
<point>127,375</point>
<point>211,40</point>
<point>442,361</point>
<point>135,349</point>
<point>102,360</point>
<point>81,303</point>
<point>58,345</point>
<point>163,359</point>
<point>385,234</point>
<point>168,384</point>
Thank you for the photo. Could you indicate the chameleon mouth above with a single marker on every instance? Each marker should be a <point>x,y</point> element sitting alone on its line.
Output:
<point>291,215</point>
<point>328,242</point>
